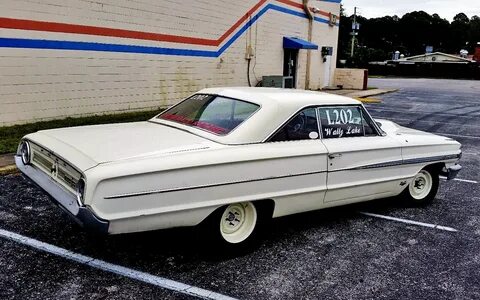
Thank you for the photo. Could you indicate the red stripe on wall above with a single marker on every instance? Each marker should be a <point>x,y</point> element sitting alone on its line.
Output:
<point>300,5</point>
<point>291,3</point>
<point>239,22</point>
<point>132,34</point>
<point>101,31</point>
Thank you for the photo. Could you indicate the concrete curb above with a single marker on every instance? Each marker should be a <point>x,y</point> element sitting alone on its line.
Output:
<point>10,169</point>
<point>363,95</point>
<point>370,93</point>
<point>7,164</point>
<point>368,100</point>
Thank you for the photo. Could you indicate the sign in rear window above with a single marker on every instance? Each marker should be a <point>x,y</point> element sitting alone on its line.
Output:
<point>341,121</point>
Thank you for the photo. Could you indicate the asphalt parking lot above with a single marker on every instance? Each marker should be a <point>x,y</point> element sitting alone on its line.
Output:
<point>331,254</point>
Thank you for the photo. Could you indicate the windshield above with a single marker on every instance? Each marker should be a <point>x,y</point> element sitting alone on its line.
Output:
<point>212,113</point>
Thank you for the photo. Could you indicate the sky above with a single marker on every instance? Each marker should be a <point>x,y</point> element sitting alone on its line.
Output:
<point>446,9</point>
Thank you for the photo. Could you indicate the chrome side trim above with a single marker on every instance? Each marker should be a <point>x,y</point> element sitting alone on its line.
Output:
<point>379,165</point>
<point>411,161</point>
<point>128,195</point>
<point>338,186</point>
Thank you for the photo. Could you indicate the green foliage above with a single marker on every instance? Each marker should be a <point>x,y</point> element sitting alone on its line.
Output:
<point>11,135</point>
<point>379,38</point>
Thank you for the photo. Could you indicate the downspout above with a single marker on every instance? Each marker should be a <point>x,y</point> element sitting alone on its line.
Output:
<point>310,29</point>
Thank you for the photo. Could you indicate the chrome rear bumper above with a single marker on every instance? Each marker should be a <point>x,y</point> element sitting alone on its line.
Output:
<point>64,199</point>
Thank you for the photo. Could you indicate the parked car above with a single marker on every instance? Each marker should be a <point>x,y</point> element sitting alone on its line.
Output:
<point>234,157</point>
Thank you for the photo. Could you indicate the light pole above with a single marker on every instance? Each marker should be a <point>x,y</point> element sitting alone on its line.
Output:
<point>354,33</point>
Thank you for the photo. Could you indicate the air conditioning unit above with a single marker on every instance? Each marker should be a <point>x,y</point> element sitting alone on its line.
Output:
<point>278,81</point>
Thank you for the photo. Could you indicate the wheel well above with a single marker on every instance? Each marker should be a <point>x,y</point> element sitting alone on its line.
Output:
<point>266,207</point>
<point>436,167</point>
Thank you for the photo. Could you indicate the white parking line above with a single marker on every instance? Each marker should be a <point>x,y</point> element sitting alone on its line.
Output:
<point>459,179</point>
<point>112,268</point>
<point>434,226</point>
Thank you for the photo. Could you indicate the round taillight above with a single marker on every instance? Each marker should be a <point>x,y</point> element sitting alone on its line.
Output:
<point>25,152</point>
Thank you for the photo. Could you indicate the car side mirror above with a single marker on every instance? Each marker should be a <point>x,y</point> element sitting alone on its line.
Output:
<point>379,124</point>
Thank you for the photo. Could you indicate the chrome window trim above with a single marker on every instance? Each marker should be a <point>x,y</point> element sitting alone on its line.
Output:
<point>378,131</point>
<point>319,124</point>
<point>276,130</point>
<point>156,119</point>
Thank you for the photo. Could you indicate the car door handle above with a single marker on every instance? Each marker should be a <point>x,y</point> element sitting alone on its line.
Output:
<point>333,155</point>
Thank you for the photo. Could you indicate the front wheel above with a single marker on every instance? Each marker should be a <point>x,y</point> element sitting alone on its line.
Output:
<point>423,188</point>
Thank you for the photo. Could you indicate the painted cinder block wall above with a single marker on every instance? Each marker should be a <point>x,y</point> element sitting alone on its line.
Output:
<point>72,58</point>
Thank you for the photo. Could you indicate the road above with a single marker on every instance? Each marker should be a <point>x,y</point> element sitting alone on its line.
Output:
<point>331,254</point>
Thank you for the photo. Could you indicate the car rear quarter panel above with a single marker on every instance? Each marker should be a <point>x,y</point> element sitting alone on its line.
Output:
<point>183,189</point>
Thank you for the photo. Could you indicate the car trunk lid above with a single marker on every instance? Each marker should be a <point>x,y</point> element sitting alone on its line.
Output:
<point>113,142</point>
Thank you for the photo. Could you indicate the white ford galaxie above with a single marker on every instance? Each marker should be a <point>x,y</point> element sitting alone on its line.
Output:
<point>234,157</point>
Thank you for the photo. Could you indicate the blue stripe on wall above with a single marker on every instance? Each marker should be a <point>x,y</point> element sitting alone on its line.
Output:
<point>103,47</point>
<point>87,46</point>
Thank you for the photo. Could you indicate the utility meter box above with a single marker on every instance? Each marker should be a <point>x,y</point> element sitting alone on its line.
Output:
<point>327,51</point>
<point>278,81</point>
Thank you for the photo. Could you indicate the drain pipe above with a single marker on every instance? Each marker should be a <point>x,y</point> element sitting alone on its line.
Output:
<point>310,29</point>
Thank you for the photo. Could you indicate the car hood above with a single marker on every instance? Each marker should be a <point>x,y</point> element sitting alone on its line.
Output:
<point>88,146</point>
<point>393,129</point>
<point>410,138</point>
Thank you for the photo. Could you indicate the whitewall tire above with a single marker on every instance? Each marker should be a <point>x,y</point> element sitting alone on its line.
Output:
<point>237,227</point>
<point>423,187</point>
<point>238,222</point>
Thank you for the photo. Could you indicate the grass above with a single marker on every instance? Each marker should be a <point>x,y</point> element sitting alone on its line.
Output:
<point>10,136</point>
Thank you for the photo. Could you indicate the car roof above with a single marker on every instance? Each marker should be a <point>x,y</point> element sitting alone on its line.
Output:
<point>276,107</point>
<point>277,96</point>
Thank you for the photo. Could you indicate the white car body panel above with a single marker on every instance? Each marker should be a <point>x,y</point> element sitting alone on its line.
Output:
<point>349,176</point>
<point>222,176</point>
<point>161,174</point>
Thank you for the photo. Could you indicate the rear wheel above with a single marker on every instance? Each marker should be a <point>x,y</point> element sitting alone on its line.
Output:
<point>238,222</point>
<point>423,188</point>
<point>236,227</point>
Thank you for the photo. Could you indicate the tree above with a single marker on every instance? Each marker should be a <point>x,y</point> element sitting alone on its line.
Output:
<point>379,38</point>
<point>474,33</point>
<point>459,33</point>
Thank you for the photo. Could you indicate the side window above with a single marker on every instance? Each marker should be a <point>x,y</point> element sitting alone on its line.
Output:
<point>302,126</point>
<point>344,121</point>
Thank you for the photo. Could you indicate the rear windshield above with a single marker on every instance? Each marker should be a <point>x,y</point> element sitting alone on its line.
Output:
<point>212,113</point>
